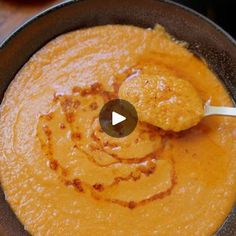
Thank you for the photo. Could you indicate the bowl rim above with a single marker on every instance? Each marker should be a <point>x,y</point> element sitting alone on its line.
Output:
<point>70,2</point>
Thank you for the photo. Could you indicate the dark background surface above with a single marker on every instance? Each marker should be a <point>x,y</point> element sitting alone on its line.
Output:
<point>222,12</point>
<point>14,12</point>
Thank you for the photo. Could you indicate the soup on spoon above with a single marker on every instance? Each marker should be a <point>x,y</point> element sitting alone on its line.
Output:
<point>163,100</point>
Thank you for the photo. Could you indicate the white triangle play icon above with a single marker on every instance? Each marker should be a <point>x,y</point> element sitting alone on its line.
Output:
<point>117,118</point>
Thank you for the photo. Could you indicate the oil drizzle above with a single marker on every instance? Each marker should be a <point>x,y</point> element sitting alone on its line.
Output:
<point>69,105</point>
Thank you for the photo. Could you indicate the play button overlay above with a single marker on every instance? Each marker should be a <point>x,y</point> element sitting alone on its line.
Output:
<point>118,118</point>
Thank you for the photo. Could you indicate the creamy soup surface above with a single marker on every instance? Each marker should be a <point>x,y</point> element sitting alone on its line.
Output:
<point>163,100</point>
<point>62,175</point>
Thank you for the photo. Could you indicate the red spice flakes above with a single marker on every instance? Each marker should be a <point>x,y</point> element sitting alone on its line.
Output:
<point>93,106</point>
<point>108,144</point>
<point>93,89</point>
<point>85,92</point>
<point>98,187</point>
<point>136,175</point>
<point>69,103</point>
<point>78,185</point>
<point>62,126</point>
<point>105,143</point>
<point>48,117</point>
<point>66,103</point>
<point>67,182</point>
<point>186,150</point>
<point>149,169</point>
<point>47,131</point>
<point>76,89</point>
<point>76,136</point>
<point>132,205</point>
<point>64,172</point>
<point>53,164</point>
<point>70,117</point>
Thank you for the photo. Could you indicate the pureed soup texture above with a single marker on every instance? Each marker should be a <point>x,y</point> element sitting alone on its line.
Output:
<point>63,175</point>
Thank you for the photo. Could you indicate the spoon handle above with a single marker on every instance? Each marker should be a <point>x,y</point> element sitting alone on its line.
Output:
<point>223,111</point>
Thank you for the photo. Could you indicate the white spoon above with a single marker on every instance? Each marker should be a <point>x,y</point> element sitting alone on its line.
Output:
<point>222,111</point>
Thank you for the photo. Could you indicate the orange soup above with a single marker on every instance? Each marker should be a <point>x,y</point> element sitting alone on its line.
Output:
<point>62,175</point>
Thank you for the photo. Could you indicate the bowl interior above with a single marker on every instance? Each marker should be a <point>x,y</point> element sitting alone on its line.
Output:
<point>205,39</point>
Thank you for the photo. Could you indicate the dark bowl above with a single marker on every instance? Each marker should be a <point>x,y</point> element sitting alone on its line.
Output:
<point>204,37</point>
